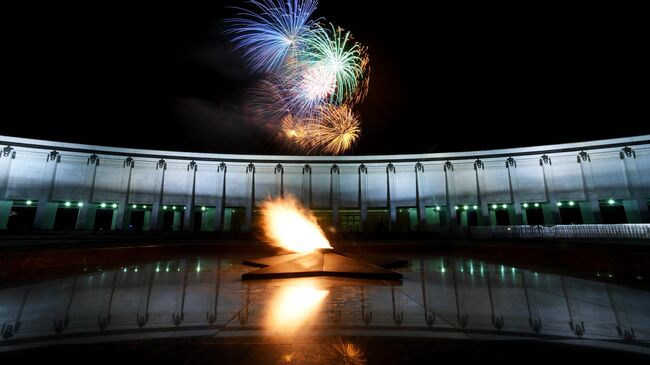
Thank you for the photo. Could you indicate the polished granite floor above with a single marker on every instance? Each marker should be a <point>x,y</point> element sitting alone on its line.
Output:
<point>443,302</point>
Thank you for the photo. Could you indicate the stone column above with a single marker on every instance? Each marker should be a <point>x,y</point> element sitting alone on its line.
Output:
<point>335,193</point>
<point>363,196</point>
<point>220,203</point>
<point>638,207</point>
<point>590,209</point>
<point>390,190</point>
<point>306,186</point>
<point>46,211</point>
<point>7,156</point>
<point>250,192</point>
<point>155,224</point>
<point>515,196</point>
<point>123,216</point>
<point>190,186</point>
<point>450,193</point>
<point>419,197</point>
<point>279,180</point>
<point>484,217</point>
<point>553,211</point>
<point>88,211</point>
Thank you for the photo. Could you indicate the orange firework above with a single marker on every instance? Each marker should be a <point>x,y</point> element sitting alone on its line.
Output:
<point>336,130</point>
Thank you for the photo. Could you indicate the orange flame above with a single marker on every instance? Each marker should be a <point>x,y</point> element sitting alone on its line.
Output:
<point>288,225</point>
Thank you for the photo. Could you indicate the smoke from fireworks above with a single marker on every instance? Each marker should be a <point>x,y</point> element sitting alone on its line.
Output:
<point>315,74</point>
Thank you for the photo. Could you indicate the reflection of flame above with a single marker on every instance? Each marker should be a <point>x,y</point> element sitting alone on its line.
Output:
<point>292,227</point>
<point>292,307</point>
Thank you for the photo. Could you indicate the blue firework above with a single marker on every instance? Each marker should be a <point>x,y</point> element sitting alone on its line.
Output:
<point>267,34</point>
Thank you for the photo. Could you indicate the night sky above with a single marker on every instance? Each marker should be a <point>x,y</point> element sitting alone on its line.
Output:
<point>442,79</point>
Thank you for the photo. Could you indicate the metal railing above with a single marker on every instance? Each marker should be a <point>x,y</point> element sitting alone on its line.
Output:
<point>598,231</point>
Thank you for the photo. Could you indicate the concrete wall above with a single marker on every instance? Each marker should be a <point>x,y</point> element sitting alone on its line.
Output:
<point>587,173</point>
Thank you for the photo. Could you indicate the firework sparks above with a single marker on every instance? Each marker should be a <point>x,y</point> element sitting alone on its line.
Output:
<point>318,82</point>
<point>267,34</point>
<point>337,130</point>
<point>314,74</point>
<point>334,50</point>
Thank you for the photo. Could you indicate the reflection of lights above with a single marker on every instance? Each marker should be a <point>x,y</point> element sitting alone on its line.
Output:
<point>292,227</point>
<point>292,306</point>
<point>288,357</point>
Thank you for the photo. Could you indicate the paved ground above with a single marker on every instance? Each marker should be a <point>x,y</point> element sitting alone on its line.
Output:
<point>195,303</point>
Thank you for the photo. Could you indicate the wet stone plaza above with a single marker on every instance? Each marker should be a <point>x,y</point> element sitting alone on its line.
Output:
<point>445,306</point>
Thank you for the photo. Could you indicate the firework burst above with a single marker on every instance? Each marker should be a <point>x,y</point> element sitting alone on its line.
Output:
<point>314,74</point>
<point>337,130</point>
<point>267,34</point>
<point>334,50</point>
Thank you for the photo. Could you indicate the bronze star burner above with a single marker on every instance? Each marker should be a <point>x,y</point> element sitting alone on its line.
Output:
<point>323,262</point>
